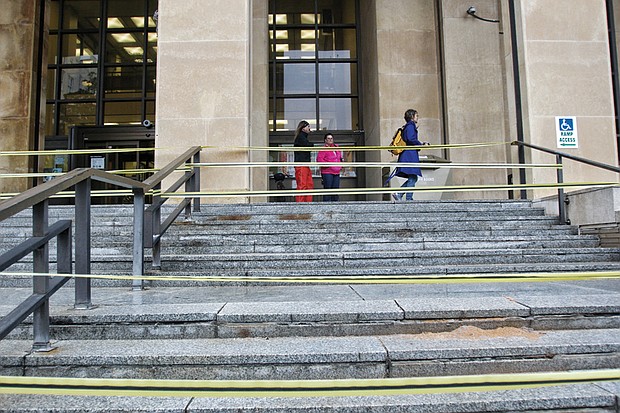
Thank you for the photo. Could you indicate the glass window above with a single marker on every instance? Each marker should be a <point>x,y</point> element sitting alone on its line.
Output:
<point>290,112</point>
<point>123,14</point>
<point>123,82</point>
<point>124,48</point>
<point>50,87</point>
<point>150,110</point>
<point>295,78</point>
<point>126,64</point>
<point>336,11</point>
<point>79,83</point>
<point>313,58</point>
<point>340,78</point>
<point>151,81</point>
<point>50,120</point>
<point>81,14</point>
<point>294,12</point>
<point>72,114</point>
<point>338,114</point>
<point>80,48</point>
<point>122,113</point>
<point>52,49</point>
<point>337,44</point>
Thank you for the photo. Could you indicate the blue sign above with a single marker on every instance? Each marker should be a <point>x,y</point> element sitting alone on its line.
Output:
<point>566,131</point>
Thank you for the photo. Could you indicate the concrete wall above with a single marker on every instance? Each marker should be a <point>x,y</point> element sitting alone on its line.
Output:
<point>565,71</point>
<point>18,74</point>
<point>587,206</point>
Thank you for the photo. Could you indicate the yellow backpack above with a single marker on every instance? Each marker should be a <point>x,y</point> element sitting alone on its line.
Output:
<point>398,142</point>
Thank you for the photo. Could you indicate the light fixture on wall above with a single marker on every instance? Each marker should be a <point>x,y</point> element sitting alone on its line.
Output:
<point>472,12</point>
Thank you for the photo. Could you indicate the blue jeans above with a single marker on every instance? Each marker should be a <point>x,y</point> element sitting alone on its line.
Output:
<point>409,183</point>
<point>330,181</point>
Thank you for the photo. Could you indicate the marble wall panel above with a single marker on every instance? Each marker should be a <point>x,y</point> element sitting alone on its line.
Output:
<point>199,20</point>
<point>557,20</point>
<point>18,12</point>
<point>16,47</point>
<point>566,71</point>
<point>14,99</point>
<point>202,79</point>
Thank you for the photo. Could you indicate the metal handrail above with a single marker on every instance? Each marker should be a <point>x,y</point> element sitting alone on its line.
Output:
<point>43,286</point>
<point>560,175</point>
<point>153,228</point>
<point>38,198</point>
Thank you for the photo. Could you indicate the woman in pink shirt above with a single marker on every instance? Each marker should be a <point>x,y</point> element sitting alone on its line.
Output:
<point>330,174</point>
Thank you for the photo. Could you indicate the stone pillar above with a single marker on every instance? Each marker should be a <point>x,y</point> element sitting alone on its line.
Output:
<point>566,71</point>
<point>400,71</point>
<point>19,28</point>
<point>204,96</point>
<point>474,97</point>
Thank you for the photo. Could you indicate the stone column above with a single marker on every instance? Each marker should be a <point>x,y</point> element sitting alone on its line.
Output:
<point>400,71</point>
<point>19,28</point>
<point>474,97</point>
<point>203,85</point>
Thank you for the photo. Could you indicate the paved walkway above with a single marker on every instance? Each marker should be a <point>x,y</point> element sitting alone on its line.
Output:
<point>104,296</point>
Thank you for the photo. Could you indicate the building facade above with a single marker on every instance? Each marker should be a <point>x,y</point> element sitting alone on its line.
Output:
<point>243,73</point>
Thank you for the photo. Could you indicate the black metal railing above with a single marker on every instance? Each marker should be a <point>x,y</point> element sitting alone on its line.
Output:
<point>147,233</point>
<point>560,174</point>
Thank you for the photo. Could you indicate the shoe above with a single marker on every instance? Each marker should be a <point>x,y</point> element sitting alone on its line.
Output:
<point>396,197</point>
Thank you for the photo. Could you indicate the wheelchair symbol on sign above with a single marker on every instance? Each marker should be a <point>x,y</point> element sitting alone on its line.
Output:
<point>566,126</point>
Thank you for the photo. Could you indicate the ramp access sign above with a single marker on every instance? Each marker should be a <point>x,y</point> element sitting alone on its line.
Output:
<point>566,131</point>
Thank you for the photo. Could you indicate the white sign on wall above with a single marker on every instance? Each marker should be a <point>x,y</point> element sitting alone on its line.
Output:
<point>97,162</point>
<point>566,131</point>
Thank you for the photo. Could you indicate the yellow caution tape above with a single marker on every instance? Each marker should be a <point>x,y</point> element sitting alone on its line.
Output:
<point>243,148</point>
<point>75,151</point>
<point>351,148</point>
<point>341,191</point>
<point>298,388</point>
<point>361,191</point>
<point>344,279</point>
<point>430,165</point>
<point>189,166</point>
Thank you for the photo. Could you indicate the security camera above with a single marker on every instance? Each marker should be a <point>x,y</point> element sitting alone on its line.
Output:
<point>471,10</point>
<point>147,123</point>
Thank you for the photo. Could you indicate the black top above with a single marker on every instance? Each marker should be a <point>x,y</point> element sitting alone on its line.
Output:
<point>302,140</point>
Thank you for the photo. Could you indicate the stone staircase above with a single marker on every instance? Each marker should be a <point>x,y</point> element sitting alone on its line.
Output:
<point>195,328</point>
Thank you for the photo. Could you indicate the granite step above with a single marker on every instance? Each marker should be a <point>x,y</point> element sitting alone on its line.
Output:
<point>584,398</point>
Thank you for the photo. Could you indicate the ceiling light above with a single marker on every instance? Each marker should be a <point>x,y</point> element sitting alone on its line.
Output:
<point>115,23</point>
<point>134,51</point>
<point>138,21</point>
<point>123,37</point>
<point>307,34</point>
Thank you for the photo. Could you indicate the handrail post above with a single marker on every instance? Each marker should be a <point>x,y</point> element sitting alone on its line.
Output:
<point>196,182</point>
<point>138,237</point>
<point>560,178</point>
<point>83,298</point>
<point>40,284</point>
<point>155,224</point>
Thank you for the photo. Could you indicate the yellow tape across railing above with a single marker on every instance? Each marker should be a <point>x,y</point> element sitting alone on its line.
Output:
<point>429,165</point>
<point>365,279</point>
<point>341,191</point>
<point>352,148</point>
<point>298,388</point>
<point>75,151</point>
<point>244,148</point>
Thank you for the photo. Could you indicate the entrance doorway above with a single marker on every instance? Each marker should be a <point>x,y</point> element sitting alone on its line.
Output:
<point>127,163</point>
